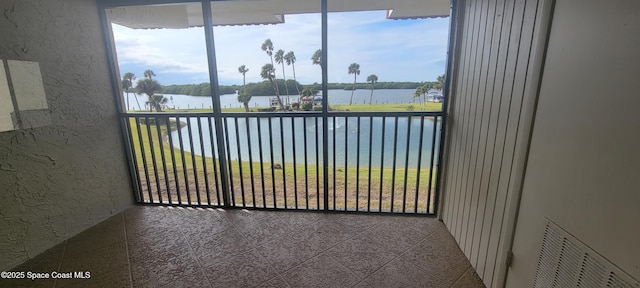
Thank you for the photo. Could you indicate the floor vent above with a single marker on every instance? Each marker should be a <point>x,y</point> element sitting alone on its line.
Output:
<point>566,262</point>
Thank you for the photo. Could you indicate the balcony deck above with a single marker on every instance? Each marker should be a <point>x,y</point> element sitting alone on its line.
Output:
<point>149,246</point>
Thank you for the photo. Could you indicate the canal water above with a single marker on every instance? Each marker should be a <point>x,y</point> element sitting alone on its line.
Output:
<point>336,97</point>
<point>255,133</point>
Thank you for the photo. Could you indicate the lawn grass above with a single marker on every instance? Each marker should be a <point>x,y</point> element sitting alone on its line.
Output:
<point>190,180</point>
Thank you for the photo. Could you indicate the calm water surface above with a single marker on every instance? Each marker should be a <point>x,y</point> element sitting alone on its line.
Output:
<point>251,137</point>
<point>336,97</point>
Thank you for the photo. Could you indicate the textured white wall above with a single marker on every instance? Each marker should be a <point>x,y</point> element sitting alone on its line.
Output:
<point>58,180</point>
<point>583,171</point>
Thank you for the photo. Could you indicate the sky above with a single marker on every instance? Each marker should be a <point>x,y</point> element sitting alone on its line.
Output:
<point>393,50</point>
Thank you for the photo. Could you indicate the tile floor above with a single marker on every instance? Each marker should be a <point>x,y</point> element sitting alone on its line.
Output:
<point>182,247</point>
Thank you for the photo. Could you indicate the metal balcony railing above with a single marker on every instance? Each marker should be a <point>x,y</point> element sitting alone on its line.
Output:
<point>375,162</point>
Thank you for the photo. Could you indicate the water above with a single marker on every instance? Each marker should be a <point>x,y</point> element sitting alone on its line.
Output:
<point>336,97</point>
<point>343,130</point>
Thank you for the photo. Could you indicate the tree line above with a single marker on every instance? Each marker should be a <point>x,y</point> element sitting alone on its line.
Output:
<point>265,89</point>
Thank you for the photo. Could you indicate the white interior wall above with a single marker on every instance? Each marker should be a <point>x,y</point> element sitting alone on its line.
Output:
<point>583,171</point>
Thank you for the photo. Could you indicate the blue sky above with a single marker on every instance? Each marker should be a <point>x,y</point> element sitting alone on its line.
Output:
<point>394,50</point>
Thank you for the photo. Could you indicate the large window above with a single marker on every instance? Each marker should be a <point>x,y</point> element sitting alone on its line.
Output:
<point>381,56</point>
<point>263,104</point>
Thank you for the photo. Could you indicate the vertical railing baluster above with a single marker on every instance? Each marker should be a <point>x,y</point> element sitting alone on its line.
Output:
<point>284,171</point>
<point>358,167</point>
<point>415,210</point>
<point>144,160</point>
<point>306,164</point>
<point>346,157</point>
<point>184,161</point>
<point>253,186</point>
<point>229,162</point>
<point>134,160</point>
<point>264,197</point>
<point>317,167</point>
<point>153,158</point>
<point>384,126</point>
<point>295,165</point>
<point>334,162</point>
<point>273,173</point>
<point>214,161</point>
<point>240,172</point>
<point>406,165</point>
<point>173,160</point>
<point>395,154</point>
<point>370,167</point>
<point>164,163</point>
<point>204,160</point>
<point>193,161</point>
<point>433,156</point>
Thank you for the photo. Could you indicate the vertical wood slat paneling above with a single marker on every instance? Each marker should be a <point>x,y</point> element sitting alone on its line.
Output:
<point>493,146</point>
<point>455,109</point>
<point>485,116</point>
<point>487,135</point>
<point>470,124</point>
<point>478,120</point>
<point>463,113</point>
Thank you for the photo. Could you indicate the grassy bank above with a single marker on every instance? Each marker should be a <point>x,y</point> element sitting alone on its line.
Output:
<point>354,108</point>
<point>388,107</point>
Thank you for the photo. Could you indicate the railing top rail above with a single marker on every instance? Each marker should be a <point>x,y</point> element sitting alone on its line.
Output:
<point>285,114</point>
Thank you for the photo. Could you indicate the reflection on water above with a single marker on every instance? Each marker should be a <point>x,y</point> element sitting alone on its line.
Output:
<point>273,132</point>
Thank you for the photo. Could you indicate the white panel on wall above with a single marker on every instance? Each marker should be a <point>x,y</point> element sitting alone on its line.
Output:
<point>27,85</point>
<point>6,106</point>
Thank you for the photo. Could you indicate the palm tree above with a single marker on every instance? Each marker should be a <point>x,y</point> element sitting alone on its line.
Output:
<point>243,96</point>
<point>372,79</point>
<point>440,82</point>
<point>419,91</point>
<point>354,69</point>
<point>150,87</point>
<point>156,102</point>
<point>149,74</point>
<point>309,91</point>
<point>268,73</point>
<point>291,60</point>
<point>267,46</point>
<point>243,70</point>
<point>279,56</point>
<point>127,84</point>
<point>424,89</point>
<point>317,58</point>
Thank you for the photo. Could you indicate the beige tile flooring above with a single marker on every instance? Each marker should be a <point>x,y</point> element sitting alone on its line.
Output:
<point>183,247</point>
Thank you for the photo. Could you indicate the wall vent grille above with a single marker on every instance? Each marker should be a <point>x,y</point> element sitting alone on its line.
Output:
<point>564,261</point>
